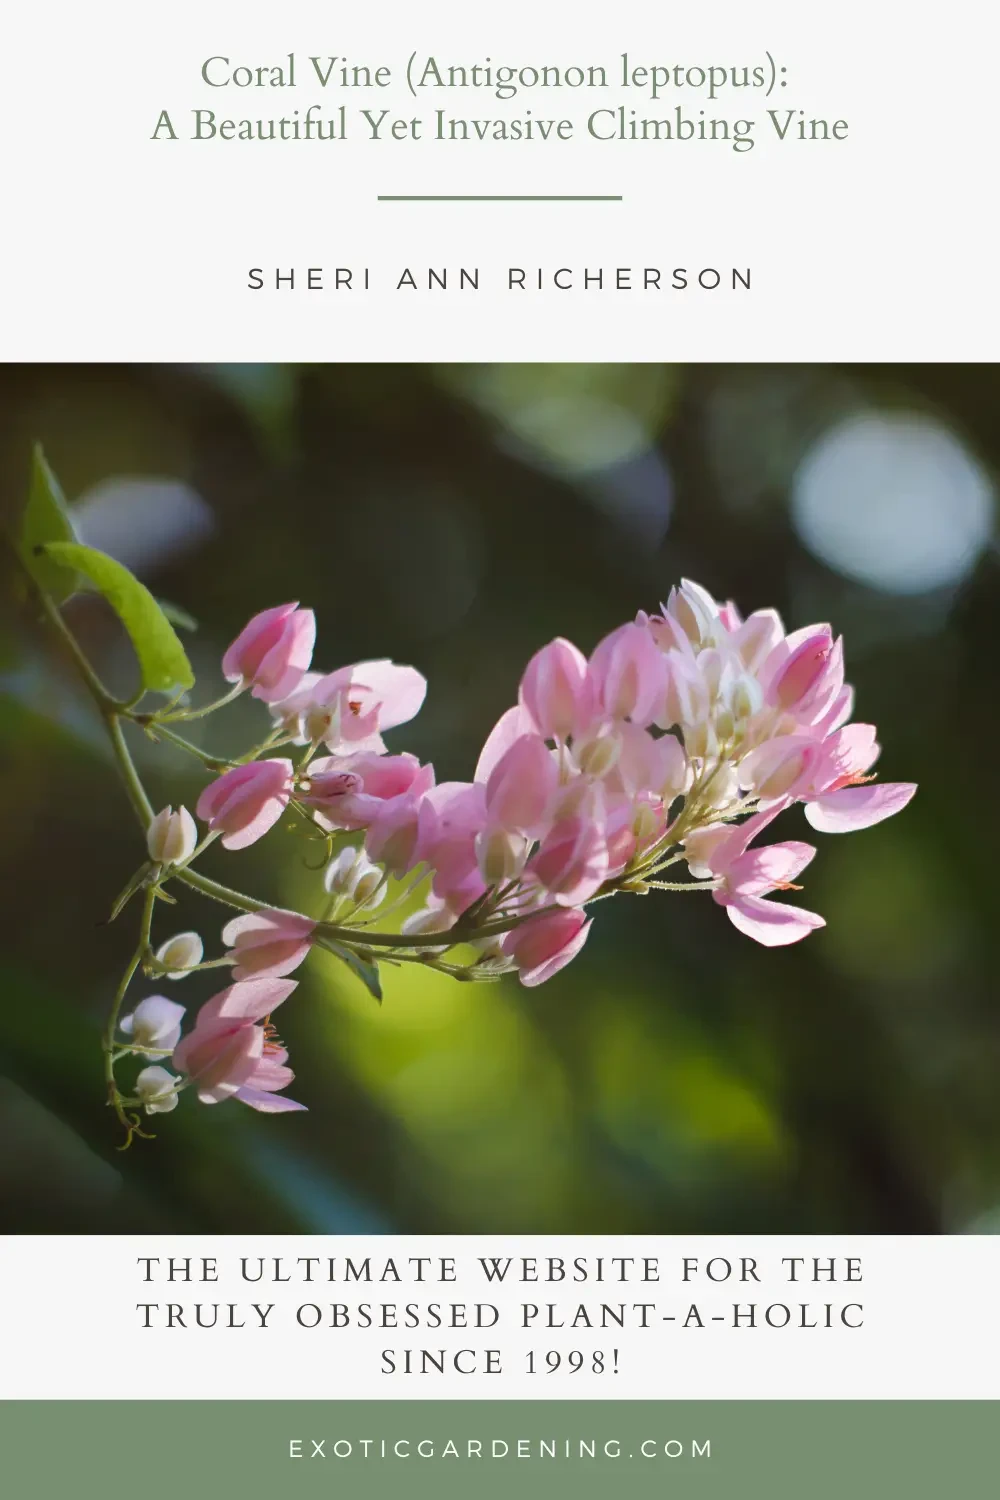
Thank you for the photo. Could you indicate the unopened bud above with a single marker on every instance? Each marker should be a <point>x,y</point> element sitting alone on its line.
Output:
<point>156,1089</point>
<point>180,954</point>
<point>646,823</point>
<point>172,836</point>
<point>429,919</point>
<point>352,873</point>
<point>598,756</point>
<point>500,855</point>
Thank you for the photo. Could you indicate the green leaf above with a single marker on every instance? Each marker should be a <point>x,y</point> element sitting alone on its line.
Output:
<point>364,968</point>
<point>162,659</point>
<point>46,519</point>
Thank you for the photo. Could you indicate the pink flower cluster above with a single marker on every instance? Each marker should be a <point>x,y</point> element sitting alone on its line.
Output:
<point>678,741</point>
<point>677,726</point>
<point>231,1052</point>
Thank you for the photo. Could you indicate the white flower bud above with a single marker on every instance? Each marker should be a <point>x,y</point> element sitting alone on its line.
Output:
<point>722,787</point>
<point>599,755</point>
<point>155,1088</point>
<point>429,919</point>
<point>500,855</point>
<point>171,837</point>
<point>645,822</point>
<point>180,954</point>
<point>746,698</point>
<point>352,873</point>
<point>155,1024</point>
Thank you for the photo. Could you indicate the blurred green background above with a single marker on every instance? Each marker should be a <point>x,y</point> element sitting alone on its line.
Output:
<point>676,1077</point>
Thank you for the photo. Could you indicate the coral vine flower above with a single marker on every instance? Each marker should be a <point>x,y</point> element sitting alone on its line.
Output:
<point>521,786</point>
<point>349,792</point>
<point>629,675</point>
<point>245,802</point>
<point>272,942</point>
<point>746,876</point>
<point>547,943</point>
<point>678,741</point>
<point>272,652</point>
<point>348,709</point>
<point>557,691</point>
<point>232,1051</point>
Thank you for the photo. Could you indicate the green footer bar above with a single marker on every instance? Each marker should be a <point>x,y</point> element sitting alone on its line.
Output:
<point>733,1450</point>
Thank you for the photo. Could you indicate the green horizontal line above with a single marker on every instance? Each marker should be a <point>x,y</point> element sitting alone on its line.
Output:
<point>500,198</point>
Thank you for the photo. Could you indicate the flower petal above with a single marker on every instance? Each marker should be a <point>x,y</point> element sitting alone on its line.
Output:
<point>762,870</point>
<point>858,806</point>
<point>267,1104</point>
<point>771,922</point>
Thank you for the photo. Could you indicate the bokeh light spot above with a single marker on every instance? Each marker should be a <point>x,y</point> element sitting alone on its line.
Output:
<point>895,501</point>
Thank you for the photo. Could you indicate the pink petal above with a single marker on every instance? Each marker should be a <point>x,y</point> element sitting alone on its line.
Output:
<point>770,922</point>
<point>277,958</point>
<point>858,806</point>
<point>400,690</point>
<point>263,820</point>
<point>761,870</point>
<point>284,666</point>
<point>219,1060</point>
<point>254,641</point>
<point>267,1104</point>
<point>249,1000</point>
<point>847,752</point>
<point>257,927</point>
<point>508,728</point>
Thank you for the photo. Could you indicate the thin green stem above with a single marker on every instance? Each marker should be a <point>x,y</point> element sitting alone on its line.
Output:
<point>105,701</point>
<point>217,892</point>
<point>187,714</point>
<point>686,885</point>
<point>108,1043</point>
<point>212,762</point>
<point>136,791</point>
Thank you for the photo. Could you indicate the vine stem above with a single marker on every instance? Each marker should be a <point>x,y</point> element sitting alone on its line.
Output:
<point>109,1047</point>
<point>133,782</point>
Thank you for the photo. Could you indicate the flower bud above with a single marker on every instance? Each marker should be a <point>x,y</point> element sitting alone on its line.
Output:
<point>598,754</point>
<point>500,855</point>
<point>351,873</point>
<point>267,944</point>
<point>272,653</point>
<point>172,836</point>
<point>722,786</point>
<point>805,674</point>
<point>572,860</point>
<point>521,786</point>
<point>180,954</point>
<point>392,835</point>
<point>695,611</point>
<point>757,637</point>
<point>647,820</point>
<point>556,690</point>
<point>546,943</point>
<point>245,802</point>
<point>629,674</point>
<point>157,1090</point>
<point>779,767</point>
<point>430,919</point>
<point>155,1024</point>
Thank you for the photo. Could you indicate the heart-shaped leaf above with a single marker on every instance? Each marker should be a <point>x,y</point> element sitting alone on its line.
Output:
<point>162,659</point>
